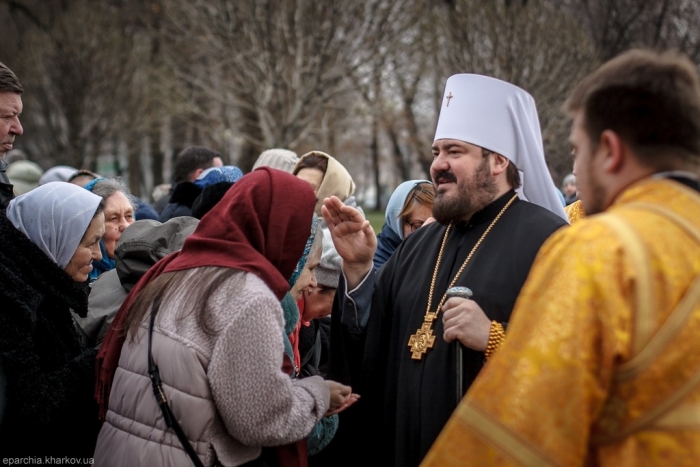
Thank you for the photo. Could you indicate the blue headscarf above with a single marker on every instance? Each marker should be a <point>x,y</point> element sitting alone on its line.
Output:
<point>103,265</point>
<point>91,184</point>
<point>305,255</point>
<point>106,263</point>
<point>391,235</point>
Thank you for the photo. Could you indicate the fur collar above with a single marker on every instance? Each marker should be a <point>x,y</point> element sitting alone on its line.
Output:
<point>29,277</point>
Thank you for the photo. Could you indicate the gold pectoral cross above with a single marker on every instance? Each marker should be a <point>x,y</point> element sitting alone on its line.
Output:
<point>422,340</point>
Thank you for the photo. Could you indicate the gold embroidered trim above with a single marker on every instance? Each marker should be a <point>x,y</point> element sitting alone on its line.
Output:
<point>684,417</point>
<point>644,316</point>
<point>508,443</point>
<point>676,320</point>
<point>667,414</point>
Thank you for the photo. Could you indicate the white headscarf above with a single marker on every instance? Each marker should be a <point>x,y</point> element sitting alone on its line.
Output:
<point>500,117</point>
<point>54,216</point>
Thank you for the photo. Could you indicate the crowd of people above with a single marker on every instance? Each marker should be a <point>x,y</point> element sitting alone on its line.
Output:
<point>257,319</point>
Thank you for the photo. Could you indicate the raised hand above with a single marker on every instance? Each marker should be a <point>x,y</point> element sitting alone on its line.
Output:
<point>353,237</point>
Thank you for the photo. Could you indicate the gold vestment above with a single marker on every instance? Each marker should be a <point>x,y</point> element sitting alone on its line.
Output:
<point>575,211</point>
<point>601,363</point>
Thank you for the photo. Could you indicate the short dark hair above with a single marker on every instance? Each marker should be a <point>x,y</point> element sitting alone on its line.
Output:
<point>83,173</point>
<point>512,174</point>
<point>191,159</point>
<point>651,100</point>
<point>8,81</point>
<point>312,160</point>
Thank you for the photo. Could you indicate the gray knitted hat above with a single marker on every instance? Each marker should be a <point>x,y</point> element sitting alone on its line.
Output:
<point>24,175</point>
<point>328,270</point>
<point>281,159</point>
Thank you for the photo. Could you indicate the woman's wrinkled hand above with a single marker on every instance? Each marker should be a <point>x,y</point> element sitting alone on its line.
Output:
<point>342,397</point>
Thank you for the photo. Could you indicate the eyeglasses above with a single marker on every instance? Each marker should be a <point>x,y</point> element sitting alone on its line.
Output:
<point>414,225</point>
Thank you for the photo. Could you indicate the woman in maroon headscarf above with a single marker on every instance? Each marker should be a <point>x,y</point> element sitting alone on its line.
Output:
<point>217,338</point>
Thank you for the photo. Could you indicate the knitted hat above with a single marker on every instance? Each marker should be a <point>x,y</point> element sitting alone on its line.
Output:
<point>228,173</point>
<point>571,178</point>
<point>328,270</point>
<point>281,159</point>
<point>59,173</point>
<point>24,175</point>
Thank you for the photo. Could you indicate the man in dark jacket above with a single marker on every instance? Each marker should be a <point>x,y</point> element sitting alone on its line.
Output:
<point>10,108</point>
<point>190,162</point>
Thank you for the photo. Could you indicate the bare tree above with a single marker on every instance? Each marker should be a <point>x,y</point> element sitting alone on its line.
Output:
<point>535,45</point>
<point>279,64</point>
<point>617,25</point>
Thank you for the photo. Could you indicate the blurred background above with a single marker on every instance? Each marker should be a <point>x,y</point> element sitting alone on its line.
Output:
<point>120,86</point>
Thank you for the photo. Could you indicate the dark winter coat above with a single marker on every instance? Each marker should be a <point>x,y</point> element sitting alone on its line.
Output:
<point>49,406</point>
<point>181,201</point>
<point>6,190</point>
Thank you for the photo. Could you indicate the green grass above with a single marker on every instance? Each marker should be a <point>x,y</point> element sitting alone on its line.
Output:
<point>376,218</point>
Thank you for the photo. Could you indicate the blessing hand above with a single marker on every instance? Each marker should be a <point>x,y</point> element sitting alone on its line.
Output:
<point>353,237</point>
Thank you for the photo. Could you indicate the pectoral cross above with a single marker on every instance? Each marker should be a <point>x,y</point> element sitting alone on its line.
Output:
<point>448,97</point>
<point>421,341</point>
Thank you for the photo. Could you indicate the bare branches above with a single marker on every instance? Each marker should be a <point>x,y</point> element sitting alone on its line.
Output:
<point>361,80</point>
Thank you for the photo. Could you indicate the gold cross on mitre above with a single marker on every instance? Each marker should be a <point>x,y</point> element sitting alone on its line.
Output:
<point>448,97</point>
<point>421,341</point>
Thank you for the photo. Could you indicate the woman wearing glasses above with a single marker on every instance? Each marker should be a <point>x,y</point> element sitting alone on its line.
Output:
<point>409,207</point>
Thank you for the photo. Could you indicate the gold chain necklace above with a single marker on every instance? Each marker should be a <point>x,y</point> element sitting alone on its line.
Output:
<point>423,339</point>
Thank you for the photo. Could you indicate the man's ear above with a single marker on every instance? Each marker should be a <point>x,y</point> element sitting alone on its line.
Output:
<point>613,150</point>
<point>196,174</point>
<point>499,164</point>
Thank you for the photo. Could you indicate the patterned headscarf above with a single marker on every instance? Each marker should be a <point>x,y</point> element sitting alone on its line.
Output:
<point>305,256</point>
<point>212,175</point>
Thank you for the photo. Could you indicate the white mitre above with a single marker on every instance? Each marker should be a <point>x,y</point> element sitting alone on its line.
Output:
<point>502,118</point>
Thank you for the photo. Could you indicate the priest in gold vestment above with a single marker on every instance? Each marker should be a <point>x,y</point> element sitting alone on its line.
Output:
<point>609,372</point>
<point>575,212</point>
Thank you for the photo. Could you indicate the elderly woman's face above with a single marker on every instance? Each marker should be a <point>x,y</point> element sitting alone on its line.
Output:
<point>119,214</point>
<point>313,176</point>
<point>307,278</point>
<point>318,302</point>
<point>88,251</point>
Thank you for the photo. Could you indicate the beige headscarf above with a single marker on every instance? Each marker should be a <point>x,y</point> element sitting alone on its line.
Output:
<point>336,182</point>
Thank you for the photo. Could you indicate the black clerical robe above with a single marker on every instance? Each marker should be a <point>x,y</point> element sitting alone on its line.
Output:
<point>405,402</point>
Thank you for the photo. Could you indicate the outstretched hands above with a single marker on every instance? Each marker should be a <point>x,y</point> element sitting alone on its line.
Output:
<point>353,237</point>
<point>342,397</point>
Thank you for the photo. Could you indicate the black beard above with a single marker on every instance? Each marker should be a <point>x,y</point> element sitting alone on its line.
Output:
<point>472,196</point>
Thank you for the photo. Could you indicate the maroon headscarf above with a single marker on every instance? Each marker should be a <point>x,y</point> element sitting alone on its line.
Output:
<point>260,226</point>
